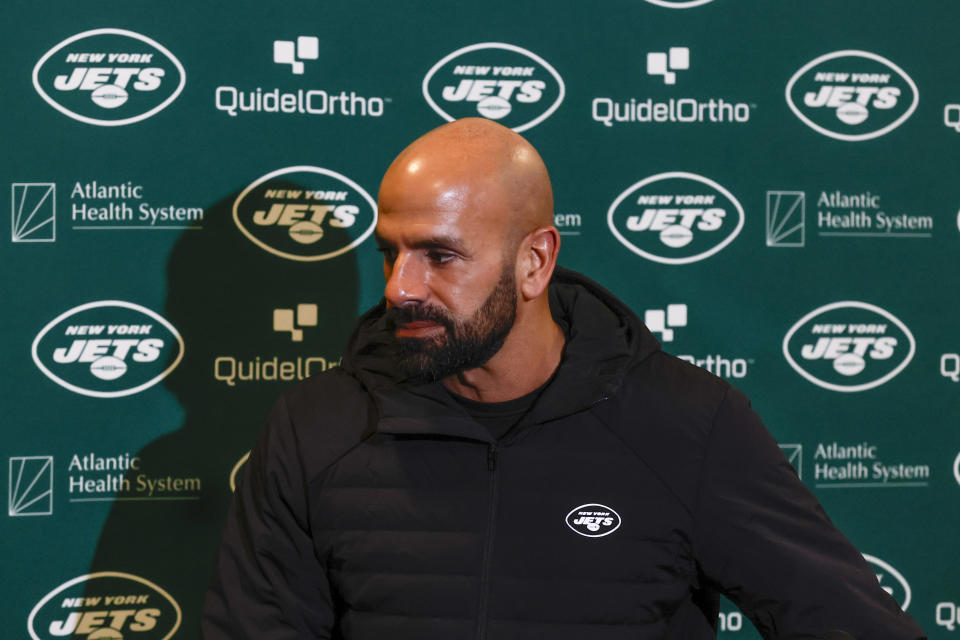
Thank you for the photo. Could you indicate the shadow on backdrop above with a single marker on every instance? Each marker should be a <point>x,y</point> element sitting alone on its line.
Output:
<point>221,296</point>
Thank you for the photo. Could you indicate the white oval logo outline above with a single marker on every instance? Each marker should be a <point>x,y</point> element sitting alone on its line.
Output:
<point>896,575</point>
<point>496,45</point>
<point>666,176</point>
<point>236,469</point>
<point>589,535</point>
<point>107,394</point>
<point>109,123</point>
<point>104,574</point>
<point>956,468</point>
<point>305,169</point>
<point>846,136</point>
<point>679,5</point>
<point>857,387</point>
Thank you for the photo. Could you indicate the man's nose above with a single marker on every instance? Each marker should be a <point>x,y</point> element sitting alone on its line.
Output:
<point>406,282</point>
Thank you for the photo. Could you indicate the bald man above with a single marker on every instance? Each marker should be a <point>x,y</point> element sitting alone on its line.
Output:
<point>507,453</point>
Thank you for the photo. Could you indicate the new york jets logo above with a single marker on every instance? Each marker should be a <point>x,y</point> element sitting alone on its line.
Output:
<point>891,580</point>
<point>593,520</point>
<point>109,77</point>
<point>494,80</point>
<point>675,217</point>
<point>849,346</point>
<point>305,213</point>
<point>108,605</point>
<point>107,349</point>
<point>852,95</point>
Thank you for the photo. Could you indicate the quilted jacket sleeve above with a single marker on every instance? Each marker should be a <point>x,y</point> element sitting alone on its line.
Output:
<point>268,582</point>
<point>766,543</point>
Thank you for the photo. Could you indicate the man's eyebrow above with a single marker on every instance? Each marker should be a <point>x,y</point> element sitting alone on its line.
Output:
<point>434,242</point>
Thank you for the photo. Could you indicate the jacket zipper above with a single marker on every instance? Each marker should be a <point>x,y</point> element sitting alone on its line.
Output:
<point>488,545</point>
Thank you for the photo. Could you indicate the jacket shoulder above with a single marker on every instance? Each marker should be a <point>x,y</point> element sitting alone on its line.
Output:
<point>664,412</point>
<point>326,416</point>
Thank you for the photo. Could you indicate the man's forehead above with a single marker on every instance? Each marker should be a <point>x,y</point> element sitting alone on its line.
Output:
<point>422,223</point>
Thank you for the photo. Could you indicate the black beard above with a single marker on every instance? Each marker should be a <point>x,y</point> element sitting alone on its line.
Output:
<point>464,344</point>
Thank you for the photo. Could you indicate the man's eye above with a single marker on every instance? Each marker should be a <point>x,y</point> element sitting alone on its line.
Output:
<point>440,257</point>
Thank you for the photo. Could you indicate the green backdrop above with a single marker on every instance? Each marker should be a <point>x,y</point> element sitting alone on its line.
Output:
<point>772,185</point>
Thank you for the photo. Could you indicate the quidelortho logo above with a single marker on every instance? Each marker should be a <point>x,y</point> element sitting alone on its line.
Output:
<point>951,116</point>
<point>848,346</point>
<point>665,64</point>
<point>298,95</point>
<point>106,605</point>
<point>109,77</point>
<point>593,520</point>
<point>293,320</point>
<point>852,95</point>
<point>891,581</point>
<point>666,99</point>
<point>291,324</point>
<point>495,80</point>
<point>108,349</point>
<point>305,213</point>
<point>675,217</point>
<point>947,615</point>
<point>295,52</point>
<point>664,322</point>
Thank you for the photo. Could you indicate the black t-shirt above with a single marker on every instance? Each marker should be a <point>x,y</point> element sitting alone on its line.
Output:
<point>499,417</point>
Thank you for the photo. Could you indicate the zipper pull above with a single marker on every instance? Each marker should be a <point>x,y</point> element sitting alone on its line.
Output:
<point>492,457</point>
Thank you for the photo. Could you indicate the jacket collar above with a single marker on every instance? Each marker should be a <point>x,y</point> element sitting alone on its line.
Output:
<point>604,339</point>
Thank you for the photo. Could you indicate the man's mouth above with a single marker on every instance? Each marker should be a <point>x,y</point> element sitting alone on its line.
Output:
<point>418,329</point>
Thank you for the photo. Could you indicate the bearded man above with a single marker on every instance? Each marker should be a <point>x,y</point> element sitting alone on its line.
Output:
<point>507,453</point>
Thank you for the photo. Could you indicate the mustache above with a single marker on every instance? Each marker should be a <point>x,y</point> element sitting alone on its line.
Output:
<point>400,316</point>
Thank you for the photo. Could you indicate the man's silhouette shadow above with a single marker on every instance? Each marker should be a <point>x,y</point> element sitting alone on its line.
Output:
<point>221,296</point>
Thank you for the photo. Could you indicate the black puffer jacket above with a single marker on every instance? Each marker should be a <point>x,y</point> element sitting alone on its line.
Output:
<point>636,490</point>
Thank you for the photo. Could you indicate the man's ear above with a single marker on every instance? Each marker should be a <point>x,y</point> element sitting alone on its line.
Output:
<point>536,260</point>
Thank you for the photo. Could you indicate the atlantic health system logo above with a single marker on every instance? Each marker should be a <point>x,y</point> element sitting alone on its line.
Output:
<point>852,95</point>
<point>109,77</point>
<point>675,217</point>
<point>33,212</point>
<point>30,486</point>
<point>786,218</point>
<point>495,80</point>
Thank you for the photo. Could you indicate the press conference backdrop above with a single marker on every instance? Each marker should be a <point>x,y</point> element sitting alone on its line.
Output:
<point>771,185</point>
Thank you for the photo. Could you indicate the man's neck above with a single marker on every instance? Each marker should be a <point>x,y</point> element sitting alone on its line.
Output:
<point>528,358</point>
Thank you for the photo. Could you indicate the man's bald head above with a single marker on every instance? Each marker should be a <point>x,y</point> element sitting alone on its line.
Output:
<point>466,230</point>
<point>477,165</point>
